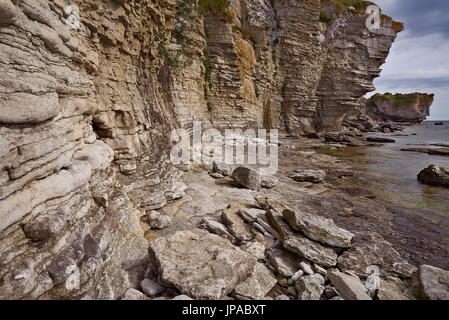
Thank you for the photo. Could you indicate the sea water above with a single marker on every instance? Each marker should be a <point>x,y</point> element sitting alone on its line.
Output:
<point>391,174</point>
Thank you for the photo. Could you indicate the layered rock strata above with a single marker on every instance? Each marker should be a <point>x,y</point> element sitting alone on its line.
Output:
<point>85,119</point>
<point>413,107</point>
<point>278,64</point>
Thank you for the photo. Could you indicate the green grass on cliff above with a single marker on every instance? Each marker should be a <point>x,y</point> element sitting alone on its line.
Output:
<point>357,4</point>
<point>216,7</point>
<point>213,6</point>
<point>405,99</point>
<point>402,100</point>
<point>325,16</point>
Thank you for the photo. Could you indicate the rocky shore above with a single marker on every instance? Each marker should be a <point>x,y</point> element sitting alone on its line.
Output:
<point>302,237</point>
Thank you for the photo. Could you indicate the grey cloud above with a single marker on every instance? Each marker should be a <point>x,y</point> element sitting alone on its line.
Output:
<point>418,60</point>
<point>420,16</point>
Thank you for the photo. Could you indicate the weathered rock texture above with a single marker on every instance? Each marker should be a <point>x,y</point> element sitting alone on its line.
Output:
<point>275,63</point>
<point>413,107</point>
<point>86,115</point>
<point>85,120</point>
<point>200,264</point>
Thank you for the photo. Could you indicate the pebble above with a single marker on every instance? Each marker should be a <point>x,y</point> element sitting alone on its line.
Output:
<point>151,287</point>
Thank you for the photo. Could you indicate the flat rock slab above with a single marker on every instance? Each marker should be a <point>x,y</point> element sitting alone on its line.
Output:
<point>222,168</point>
<point>431,151</point>
<point>314,176</point>
<point>154,201</point>
<point>433,283</point>
<point>258,284</point>
<point>286,262</point>
<point>176,191</point>
<point>255,248</point>
<point>279,224</point>
<point>200,264</point>
<point>368,249</point>
<point>236,224</point>
<point>218,228</point>
<point>380,139</point>
<point>268,181</point>
<point>318,228</point>
<point>250,215</point>
<point>349,287</point>
<point>310,250</point>
<point>267,203</point>
<point>336,137</point>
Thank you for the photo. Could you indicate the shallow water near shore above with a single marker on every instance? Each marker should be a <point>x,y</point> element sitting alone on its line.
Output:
<point>391,174</point>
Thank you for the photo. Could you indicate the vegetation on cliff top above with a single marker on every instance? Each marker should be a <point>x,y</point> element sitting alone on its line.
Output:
<point>404,99</point>
<point>357,4</point>
<point>341,6</point>
<point>216,7</point>
<point>325,16</point>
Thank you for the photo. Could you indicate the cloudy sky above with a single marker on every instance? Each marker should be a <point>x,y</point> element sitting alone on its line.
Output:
<point>419,59</point>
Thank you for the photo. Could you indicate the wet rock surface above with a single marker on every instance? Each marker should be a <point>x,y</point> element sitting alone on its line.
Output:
<point>380,139</point>
<point>435,176</point>
<point>431,151</point>
<point>314,176</point>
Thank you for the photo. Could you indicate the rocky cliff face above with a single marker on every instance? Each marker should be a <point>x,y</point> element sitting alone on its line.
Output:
<point>86,115</point>
<point>414,107</point>
<point>313,71</point>
<point>85,121</point>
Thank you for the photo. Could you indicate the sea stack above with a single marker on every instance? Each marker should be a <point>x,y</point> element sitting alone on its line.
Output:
<point>413,107</point>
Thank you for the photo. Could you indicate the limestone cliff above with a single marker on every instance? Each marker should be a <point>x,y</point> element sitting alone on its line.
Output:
<point>86,113</point>
<point>413,107</point>
<point>85,120</point>
<point>313,70</point>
